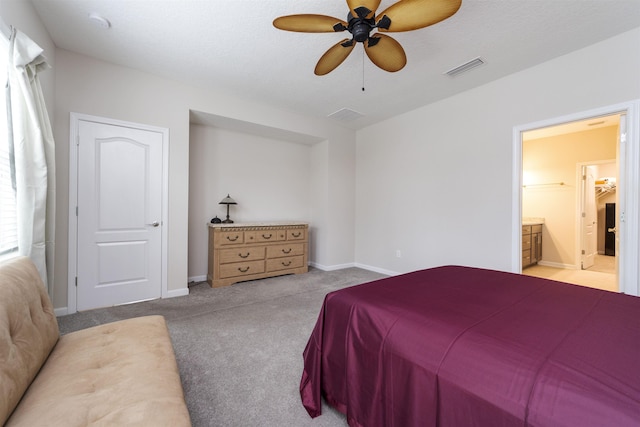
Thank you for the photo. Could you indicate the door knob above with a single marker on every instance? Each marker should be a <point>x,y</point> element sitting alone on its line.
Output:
<point>154,224</point>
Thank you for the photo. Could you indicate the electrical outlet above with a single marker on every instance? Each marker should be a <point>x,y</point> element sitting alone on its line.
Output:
<point>398,253</point>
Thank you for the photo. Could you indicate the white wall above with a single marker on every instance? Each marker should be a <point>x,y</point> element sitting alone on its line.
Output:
<point>436,182</point>
<point>88,86</point>
<point>269,178</point>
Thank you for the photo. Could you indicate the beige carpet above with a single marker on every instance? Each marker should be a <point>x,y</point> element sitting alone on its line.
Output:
<point>601,276</point>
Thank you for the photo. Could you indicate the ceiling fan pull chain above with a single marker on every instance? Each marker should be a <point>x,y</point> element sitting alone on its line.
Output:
<point>363,70</point>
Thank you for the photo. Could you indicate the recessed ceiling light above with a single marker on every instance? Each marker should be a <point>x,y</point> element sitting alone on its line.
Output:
<point>99,21</point>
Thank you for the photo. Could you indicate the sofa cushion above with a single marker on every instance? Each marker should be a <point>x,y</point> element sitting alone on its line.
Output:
<point>116,374</point>
<point>28,329</point>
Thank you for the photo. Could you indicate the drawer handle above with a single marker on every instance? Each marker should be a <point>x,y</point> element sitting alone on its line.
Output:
<point>243,271</point>
<point>286,251</point>
<point>296,234</point>
<point>232,240</point>
<point>244,256</point>
<point>286,264</point>
<point>264,236</point>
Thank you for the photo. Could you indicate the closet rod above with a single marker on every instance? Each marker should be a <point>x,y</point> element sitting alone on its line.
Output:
<point>540,185</point>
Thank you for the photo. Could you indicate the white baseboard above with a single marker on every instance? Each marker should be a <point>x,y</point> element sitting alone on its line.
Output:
<point>559,265</point>
<point>377,270</point>
<point>62,311</point>
<point>331,267</point>
<point>178,292</point>
<point>350,265</point>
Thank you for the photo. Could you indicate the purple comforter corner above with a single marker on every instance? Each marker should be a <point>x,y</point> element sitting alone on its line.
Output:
<point>462,346</point>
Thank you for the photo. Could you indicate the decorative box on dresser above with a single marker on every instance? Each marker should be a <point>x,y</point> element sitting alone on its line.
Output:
<point>248,251</point>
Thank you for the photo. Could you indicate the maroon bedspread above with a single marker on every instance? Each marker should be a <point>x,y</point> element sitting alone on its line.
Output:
<point>461,346</point>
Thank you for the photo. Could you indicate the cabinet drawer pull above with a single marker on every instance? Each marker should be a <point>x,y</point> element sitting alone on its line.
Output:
<point>264,236</point>
<point>244,256</point>
<point>286,264</point>
<point>243,271</point>
<point>296,234</point>
<point>286,251</point>
<point>234,239</point>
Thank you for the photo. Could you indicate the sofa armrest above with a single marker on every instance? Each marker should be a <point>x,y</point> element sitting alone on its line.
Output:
<point>28,330</point>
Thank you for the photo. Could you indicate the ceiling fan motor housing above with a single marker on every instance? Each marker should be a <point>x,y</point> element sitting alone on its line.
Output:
<point>360,27</point>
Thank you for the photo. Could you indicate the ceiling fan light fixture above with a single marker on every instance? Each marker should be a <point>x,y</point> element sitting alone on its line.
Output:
<point>463,68</point>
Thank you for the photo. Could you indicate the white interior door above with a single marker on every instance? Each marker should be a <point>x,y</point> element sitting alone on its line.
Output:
<point>589,217</point>
<point>119,216</point>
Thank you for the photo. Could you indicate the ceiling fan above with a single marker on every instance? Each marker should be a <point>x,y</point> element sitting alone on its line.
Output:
<point>382,50</point>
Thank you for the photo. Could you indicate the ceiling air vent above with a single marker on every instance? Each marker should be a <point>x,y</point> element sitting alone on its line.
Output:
<point>476,62</point>
<point>345,115</point>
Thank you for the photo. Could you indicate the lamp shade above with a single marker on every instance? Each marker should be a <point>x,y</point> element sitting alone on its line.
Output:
<point>228,201</point>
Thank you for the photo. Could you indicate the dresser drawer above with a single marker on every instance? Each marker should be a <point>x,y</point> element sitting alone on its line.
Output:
<point>241,269</point>
<point>231,238</point>
<point>279,251</point>
<point>262,236</point>
<point>297,234</point>
<point>241,254</point>
<point>285,263</point>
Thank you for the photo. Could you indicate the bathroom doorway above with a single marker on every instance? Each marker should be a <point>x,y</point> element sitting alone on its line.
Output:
<point>628,196</point>
<point>560,167</point>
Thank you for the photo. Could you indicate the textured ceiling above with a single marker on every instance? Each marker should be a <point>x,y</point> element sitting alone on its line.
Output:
<point>232,46</point>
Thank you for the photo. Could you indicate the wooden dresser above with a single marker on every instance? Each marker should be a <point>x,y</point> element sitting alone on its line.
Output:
<point>248,251</point>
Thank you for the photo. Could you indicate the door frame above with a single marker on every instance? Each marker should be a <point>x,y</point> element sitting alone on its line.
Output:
<point>629,170</point>
<point>74,127</point>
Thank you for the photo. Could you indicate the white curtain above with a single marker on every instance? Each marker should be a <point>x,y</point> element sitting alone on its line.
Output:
<point>31,137</point>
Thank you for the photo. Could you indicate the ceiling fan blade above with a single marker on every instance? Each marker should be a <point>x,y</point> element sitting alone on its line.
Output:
<point>334,57</point>
<point>372,5</point>
<point>310,23</point>
<point>408,15</point>
<point>385,52</point>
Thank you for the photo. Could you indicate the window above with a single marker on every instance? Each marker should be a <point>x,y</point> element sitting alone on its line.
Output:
<point>8,215</point>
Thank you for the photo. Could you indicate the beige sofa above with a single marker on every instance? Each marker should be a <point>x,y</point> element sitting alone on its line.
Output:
<point>117,374</point>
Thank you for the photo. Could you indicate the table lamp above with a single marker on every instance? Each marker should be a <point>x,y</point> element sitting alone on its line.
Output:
<point>228,201</point>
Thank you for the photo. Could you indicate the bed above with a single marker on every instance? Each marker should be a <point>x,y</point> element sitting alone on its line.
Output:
<point>463,346</point>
